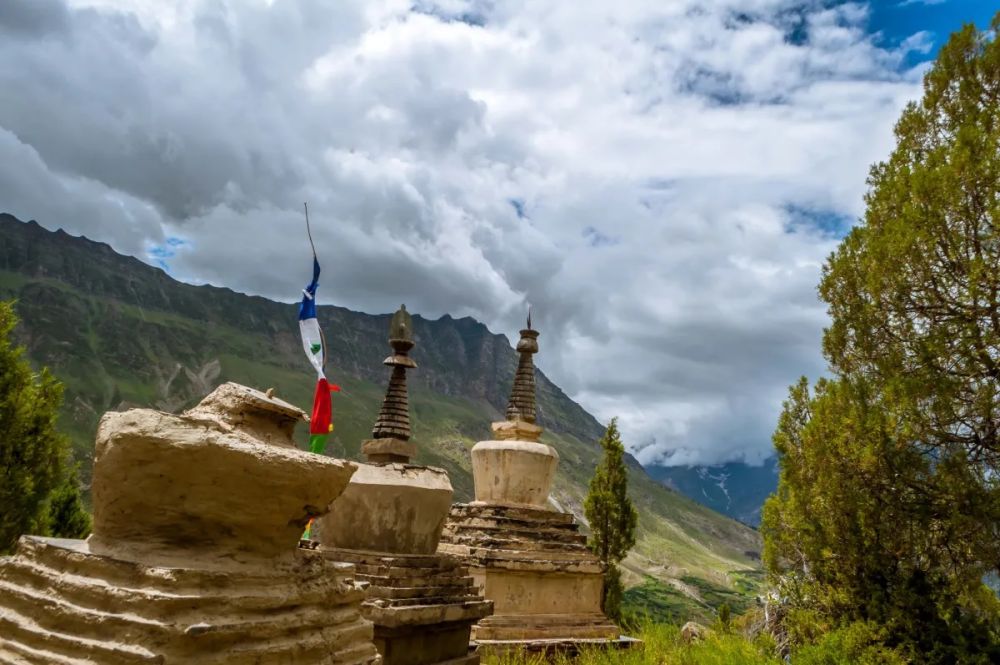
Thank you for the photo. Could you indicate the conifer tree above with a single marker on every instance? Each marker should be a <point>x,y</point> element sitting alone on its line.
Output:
<point>888,504</point>
<point>612,517</point>
<point>34,456</point>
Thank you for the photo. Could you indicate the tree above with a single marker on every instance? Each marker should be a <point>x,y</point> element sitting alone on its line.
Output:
<point>67,516</point>
<point>914,292</point>
<point>612,517</point>
<point>888,503</point>
<point>34,456</point>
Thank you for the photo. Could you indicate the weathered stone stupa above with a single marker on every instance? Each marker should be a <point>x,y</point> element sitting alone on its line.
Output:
<point>193,557</point>
<point>530,560</point>
<point>388,523</point>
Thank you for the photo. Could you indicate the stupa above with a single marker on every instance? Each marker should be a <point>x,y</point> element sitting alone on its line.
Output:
<point>193,557</point>
<point>529,559</point>
<point>388,523</point>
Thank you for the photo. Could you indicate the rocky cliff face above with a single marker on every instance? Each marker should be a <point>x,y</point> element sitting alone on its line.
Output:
<point>121,333</point>
<point>129,327</point>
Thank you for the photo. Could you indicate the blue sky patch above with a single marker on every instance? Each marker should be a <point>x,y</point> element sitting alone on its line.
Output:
<point>828,223</point>
<point>896,20</point>
<point>160,254</point>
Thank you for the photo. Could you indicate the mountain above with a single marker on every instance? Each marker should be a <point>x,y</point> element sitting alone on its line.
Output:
<point>121,333</point>
<point>735,489</point>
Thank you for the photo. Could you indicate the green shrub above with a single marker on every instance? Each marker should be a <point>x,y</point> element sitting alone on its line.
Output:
<point>858,643</point>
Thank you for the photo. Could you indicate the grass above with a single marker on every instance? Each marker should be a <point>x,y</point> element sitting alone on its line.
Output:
<point>661,645</point>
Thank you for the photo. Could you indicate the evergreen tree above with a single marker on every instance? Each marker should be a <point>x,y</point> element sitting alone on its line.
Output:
<point>34,456</point>
<point>67,515</point>
<point>888,504</point>
<point>612,517</point>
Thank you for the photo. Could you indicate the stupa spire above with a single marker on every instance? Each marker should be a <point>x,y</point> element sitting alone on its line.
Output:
<point>522,396</point>
<point>393,420</point>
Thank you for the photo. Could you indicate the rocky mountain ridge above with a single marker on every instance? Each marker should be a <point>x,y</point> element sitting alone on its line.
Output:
<point>119,332</point>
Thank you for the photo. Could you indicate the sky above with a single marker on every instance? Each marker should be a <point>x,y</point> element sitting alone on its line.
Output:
<point>661,180</point>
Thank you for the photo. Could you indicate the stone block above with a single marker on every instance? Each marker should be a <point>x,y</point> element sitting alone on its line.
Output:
<point>517,430</point>
<point>166,481</point>
<point>392,450</point>
<point>513,473</point>
<point>393,508</point>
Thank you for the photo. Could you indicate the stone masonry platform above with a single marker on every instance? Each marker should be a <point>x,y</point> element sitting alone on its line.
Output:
<point>64,604</point>
<point>422,606</point>
<point>535,566</point>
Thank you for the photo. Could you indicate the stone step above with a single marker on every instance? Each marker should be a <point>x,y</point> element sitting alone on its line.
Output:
<point>428,615</point>
<point>94,592</point>
<point>409,571</point>
<point>99,638</point>
<point>517,544</point>
<point>409,561</point>
<point>545,626</point>
<point>227,628</point>
<point>528,515</point>
<point>36,643</point>
<point>234,632</point>
<point>74,558</point>
<point>55,614</point>
<point>329,645</point>
<point>358,654</point>
<point>431,600</point>
<point>526,562</point>
<point>393,592</point>
<point>488,526</point>
<point>430,581</point>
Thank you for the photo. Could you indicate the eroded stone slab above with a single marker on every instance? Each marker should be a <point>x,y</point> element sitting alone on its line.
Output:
<point>171,482</point>
<point>391,508</point>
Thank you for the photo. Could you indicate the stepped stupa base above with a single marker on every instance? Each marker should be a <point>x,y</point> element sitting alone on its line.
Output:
<point>423,606</point>
<point>62,603</point>
<point>535,566</point>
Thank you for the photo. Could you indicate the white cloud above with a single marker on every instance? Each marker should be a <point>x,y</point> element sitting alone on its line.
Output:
<point>659,180</point>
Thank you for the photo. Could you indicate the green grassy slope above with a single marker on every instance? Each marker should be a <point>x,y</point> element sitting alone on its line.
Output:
<point>120,333</point>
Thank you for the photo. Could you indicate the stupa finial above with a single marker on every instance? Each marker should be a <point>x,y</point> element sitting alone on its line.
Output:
<point>522,396</point>
<point>393,420</point>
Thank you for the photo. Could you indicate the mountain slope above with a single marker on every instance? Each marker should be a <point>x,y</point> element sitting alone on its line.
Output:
<point>121,333</point>
<point>735,489</point>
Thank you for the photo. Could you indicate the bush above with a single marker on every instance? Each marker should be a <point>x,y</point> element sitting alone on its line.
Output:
<point>859,643</point>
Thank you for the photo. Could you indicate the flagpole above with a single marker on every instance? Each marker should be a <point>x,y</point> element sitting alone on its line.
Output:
<point>309,230</point>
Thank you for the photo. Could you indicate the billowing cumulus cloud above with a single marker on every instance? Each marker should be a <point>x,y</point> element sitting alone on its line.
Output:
<point>661,181</point>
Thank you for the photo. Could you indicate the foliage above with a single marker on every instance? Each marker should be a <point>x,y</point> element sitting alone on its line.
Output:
<point>33,454</point>
<point>725,617</point>
<point>612,517</point>
<point>857,643</point>
<point>888,505</point>
<point>67,516</point>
